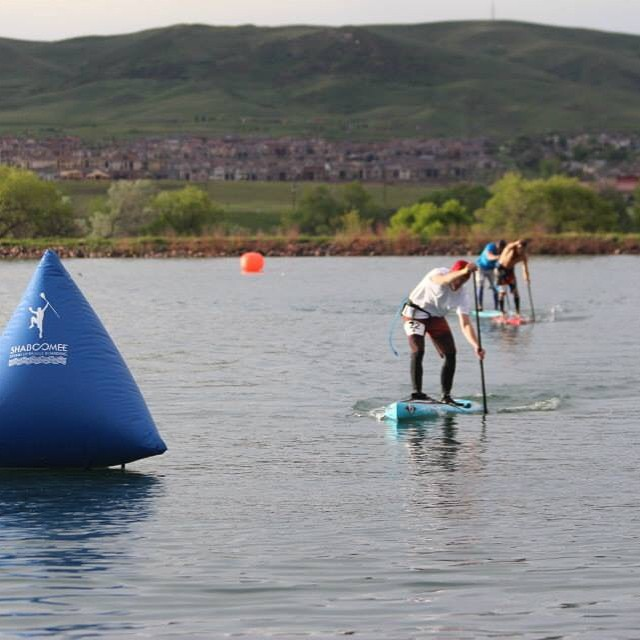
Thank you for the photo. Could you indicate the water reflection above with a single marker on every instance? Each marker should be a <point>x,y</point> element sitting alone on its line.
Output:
<point>443,463</point>
<point>65,520</point>
<point>432,446</point>
<point>510,336</point>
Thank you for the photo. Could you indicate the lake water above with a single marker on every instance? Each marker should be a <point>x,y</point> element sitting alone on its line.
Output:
<point>284,509</point>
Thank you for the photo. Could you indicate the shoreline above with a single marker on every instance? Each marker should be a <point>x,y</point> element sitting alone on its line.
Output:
<point>223,247</point>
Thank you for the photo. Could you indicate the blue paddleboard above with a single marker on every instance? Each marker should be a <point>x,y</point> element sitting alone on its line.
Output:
<point>487,313</point>
<point>416,409</point>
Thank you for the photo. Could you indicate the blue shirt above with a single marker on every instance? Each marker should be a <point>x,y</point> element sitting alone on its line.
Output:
<point>483,261</point>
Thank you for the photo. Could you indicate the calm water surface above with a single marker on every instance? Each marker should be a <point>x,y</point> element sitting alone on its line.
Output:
<point>284,509</point>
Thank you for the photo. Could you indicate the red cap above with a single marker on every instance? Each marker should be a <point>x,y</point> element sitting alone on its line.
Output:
<point>459,265</point>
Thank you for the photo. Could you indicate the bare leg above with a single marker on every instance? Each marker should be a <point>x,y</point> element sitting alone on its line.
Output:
<point>501,297</point>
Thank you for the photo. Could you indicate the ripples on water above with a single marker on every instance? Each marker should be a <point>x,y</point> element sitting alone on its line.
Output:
<point>282,509</point>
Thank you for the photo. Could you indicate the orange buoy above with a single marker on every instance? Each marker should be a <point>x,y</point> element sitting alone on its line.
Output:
<point>252,262</point>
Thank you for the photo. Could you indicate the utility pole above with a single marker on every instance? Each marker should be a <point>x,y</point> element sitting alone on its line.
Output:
<point>493,10</point>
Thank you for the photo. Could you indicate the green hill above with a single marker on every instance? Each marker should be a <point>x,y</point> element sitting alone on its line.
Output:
<point>444,79</point>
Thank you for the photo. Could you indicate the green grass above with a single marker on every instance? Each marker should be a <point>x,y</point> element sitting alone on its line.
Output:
<point>445,79</point>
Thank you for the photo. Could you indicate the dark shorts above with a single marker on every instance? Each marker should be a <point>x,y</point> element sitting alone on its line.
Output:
<point>438,330</point>
<point>506,276</point>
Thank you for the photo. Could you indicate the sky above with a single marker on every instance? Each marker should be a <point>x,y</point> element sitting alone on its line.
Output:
<point>59,19</point>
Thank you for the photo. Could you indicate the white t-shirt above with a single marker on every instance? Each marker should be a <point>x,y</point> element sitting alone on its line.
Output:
<point>438,299</point>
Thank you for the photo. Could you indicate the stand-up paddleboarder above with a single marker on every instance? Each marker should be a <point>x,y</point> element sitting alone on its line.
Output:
<point>438,292</point>
<point>513,253</point>
<point>487,263</point>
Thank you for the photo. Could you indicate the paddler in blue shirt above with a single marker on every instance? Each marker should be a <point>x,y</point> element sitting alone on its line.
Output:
<point>487,264</point>
<point>438,292</point>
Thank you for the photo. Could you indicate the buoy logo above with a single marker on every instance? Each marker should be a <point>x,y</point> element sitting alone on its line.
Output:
<point>42,352</point>
<point>38,315</point>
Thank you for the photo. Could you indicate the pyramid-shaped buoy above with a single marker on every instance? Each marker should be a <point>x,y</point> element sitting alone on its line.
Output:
<point>67,398</point>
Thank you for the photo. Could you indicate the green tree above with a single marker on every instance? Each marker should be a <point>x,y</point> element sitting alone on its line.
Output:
<point>549,166</point>
<point>471,196</point>
<point>427,219</point>
<point>185,212</point>
<point>319,212</point>
<point>508,207</point>
<point>558,204</point>
<point>352,223</point>
<point>581,153</point>
<point>616,154</point>
<point>634,211</point>
<point>357,198</point>
<point>568,205</point>
<point>126,211</point>
<point>626,220</point>
<point>32,207</point>
<point>527,153</point>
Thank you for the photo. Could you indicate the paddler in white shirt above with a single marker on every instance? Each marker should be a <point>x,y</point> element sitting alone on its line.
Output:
<point>438,292</point>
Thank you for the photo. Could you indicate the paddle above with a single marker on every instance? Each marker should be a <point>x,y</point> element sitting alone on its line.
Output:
<point>45,299</point>
<point>533,312</point>
<point>484,389</point>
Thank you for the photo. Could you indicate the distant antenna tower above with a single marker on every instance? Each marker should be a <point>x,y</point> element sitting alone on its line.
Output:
<point>493,11</point>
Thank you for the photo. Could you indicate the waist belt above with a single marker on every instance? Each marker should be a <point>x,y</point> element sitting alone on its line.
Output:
<point>413,305</point>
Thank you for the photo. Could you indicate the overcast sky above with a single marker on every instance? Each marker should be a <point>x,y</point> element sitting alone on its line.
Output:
<point>58,19</point>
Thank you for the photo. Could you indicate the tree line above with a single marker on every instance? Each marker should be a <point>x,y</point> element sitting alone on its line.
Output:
<point>514,205</point>
<point>31,207</point>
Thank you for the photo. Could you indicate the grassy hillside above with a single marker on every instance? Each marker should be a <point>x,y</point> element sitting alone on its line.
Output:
<point>443,79</point>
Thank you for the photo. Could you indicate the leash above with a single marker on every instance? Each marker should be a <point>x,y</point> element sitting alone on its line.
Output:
<point>394,323</point>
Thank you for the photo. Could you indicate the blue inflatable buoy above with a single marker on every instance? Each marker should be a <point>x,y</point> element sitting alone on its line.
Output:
<point>67,398</point>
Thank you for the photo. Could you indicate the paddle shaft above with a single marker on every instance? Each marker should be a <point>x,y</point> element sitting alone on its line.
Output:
<point>45,299</point>
<point>533,312</point>
<point>479,336</point>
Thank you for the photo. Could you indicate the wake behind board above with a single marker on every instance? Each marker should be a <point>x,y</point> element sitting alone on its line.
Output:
<point>487,313</point>
<point>417,409</point>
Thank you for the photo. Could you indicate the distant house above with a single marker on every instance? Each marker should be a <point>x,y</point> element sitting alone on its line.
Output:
<point>72,174</point>
<point>96,174</point>
<point>218,173</point>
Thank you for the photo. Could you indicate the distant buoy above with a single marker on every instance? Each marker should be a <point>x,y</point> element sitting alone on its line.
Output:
<point>252,262</point>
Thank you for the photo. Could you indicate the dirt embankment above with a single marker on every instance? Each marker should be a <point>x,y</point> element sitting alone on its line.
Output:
<point>342,246</point>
